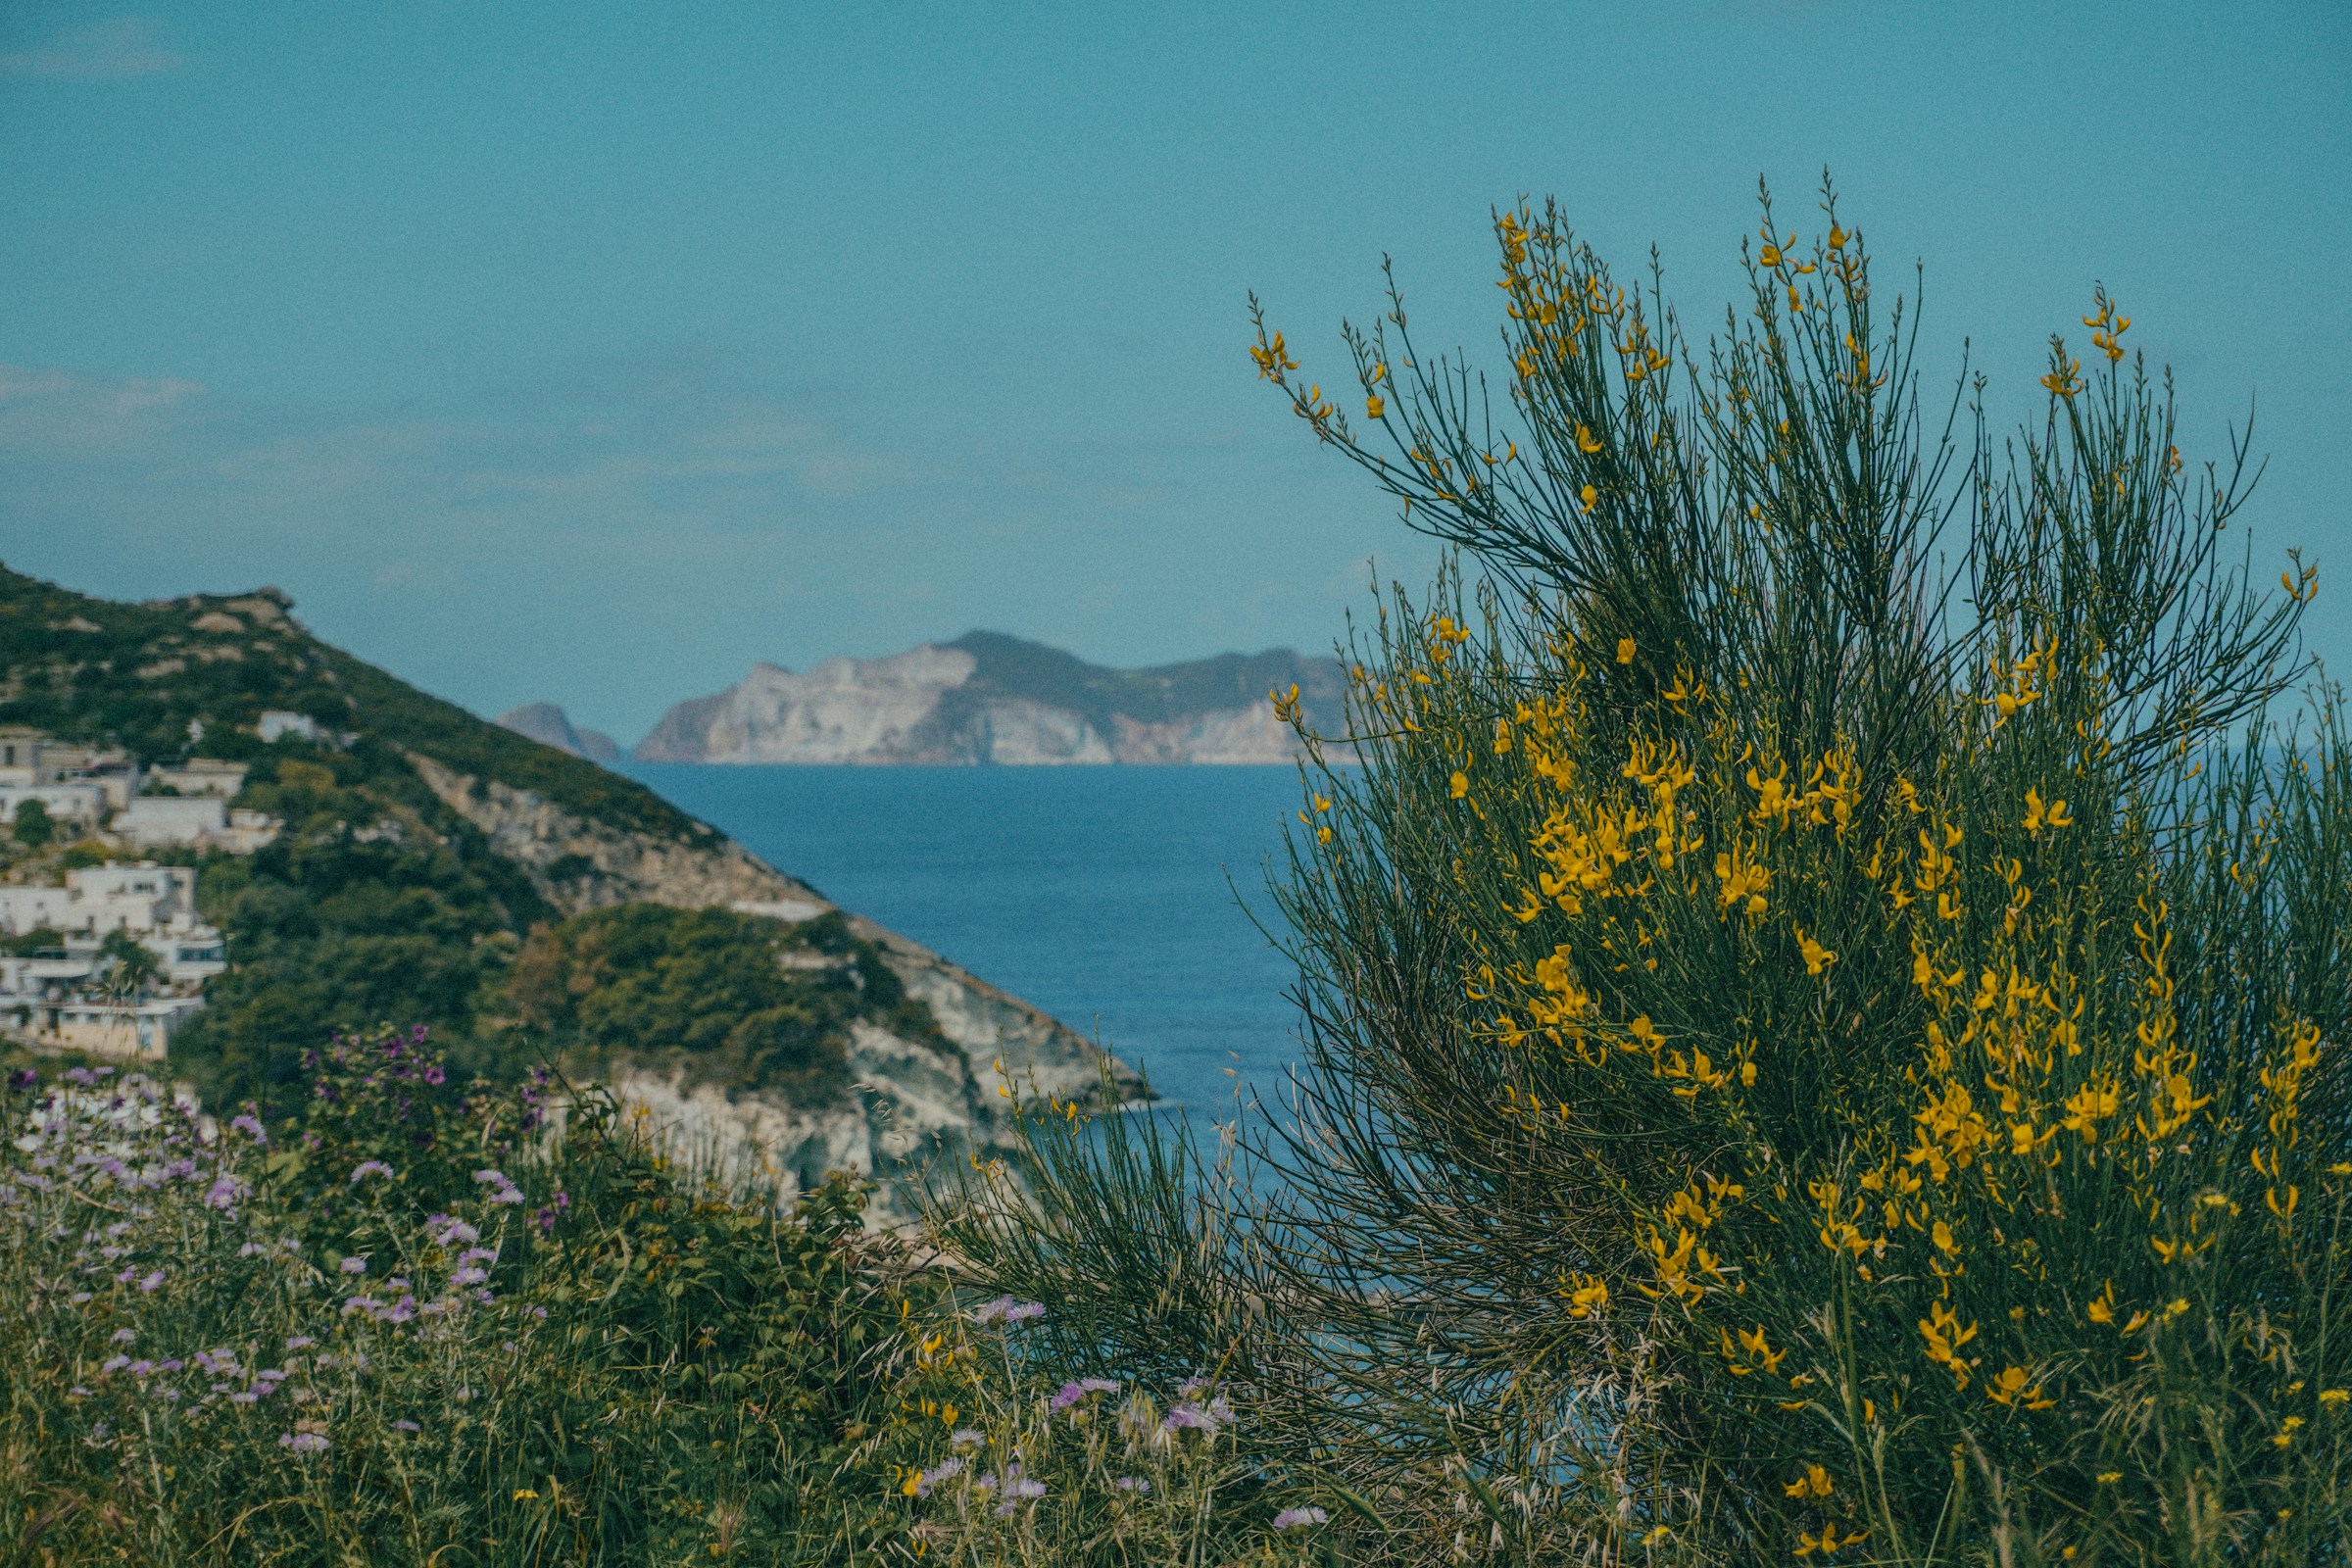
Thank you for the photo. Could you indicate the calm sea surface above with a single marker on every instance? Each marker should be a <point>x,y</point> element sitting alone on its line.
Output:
<point>1099,894</point>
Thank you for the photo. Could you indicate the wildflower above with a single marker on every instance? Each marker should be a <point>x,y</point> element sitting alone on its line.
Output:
<point>300,1341</point>
<point>966,1438</point>
<point>1292,1518</point>
<point>525,1495</point>
<point>227,1191</point>
<point>1814,1483</point>
<point>2333,1397</point>
<point>125,1335</point>
<point>920,1485</point>
<point>1459,785</point>
<point>406,1426</point>
<point>366,1168</point>
<point>2010,1389</point>
<point>153,1281</point>
<point>1135,1484</point>
<point>303,1442</point>
<point>443,1230</point>
<point>1625,644</point>
<point>1817,958</point>
<point>1827,1542</point>
<point>114,1364</point>
<point>354,1265</point>
<point>251,1126</point>
<point>1073,1393</point>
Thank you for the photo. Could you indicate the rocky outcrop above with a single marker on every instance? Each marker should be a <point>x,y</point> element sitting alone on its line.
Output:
<point>580,865</point>
<point>992,699</point>
<point>910,1100</point>
<point>550,725</point>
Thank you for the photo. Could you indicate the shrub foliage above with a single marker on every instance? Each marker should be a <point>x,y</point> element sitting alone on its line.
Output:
<point>1824,1000</point>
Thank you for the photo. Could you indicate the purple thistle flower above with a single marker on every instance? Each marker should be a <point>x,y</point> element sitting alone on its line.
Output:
<point>366,1168</point>
<point>300,1341</point>
<point>303,1442</point>
<point>935,1475</point>
<point>153,1281</point>
<point>354,1265</point>
<point>227,1191</point>
<point>966,1438</point>
<point>125,1335</point>
<point>406,1426</point>
<point>1132,1484</point>
<point>114,1364</point>
<point>1292,1518</point>
<point>1073,1393</point>
<point>251,1126</point>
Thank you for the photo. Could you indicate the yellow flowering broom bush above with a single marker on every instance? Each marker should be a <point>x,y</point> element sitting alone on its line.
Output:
<point>1825,997</point>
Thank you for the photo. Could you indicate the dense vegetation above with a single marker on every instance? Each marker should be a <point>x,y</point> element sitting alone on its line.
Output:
<point>377,904</point>
<point>405,1327</point>
<point>98,671</point>
<point>1824,1007</point>
<point>1824,1003</point>
<point>739,1000</point>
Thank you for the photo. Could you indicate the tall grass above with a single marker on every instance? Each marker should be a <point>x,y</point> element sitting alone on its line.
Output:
<point>415,1326</point>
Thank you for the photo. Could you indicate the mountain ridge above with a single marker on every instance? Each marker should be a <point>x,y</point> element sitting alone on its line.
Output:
<point>992,698</point>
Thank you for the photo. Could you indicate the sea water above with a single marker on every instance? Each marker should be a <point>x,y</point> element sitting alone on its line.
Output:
<point>1120,899</point>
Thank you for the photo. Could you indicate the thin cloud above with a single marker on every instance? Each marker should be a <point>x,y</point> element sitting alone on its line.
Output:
<point>106,51</point>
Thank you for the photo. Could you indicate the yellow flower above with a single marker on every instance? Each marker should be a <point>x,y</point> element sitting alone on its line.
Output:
<point>1817,958</point>
<point>1586,441</point>
<point>1587,1299</point>
<point>1814,1483</point>
<point>1587,495</point>
<point>1461,785</point>
<point>1374,406</point>
<point>2108,1478</point>
<point>2065,381</point>
<point>525,1493</point>
<point>1625,644</point>
<point>2009,1388</point>
<point>2333,1397</point>
<point>1943,1238</point>
<point>1828,1541</point>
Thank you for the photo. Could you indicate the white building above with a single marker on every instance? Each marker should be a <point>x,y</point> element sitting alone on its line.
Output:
<point>78,802</point>
<point>202,775</point>
<point>172,819</point>
<point>278,722</point>
<point>139,1029</point>
<point>41,993</point>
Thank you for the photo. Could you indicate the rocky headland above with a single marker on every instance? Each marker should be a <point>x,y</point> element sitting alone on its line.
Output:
<point>986,698</point>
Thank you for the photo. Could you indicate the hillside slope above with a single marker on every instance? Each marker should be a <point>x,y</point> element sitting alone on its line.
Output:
<point>426,852</point>
<point>986,698</point>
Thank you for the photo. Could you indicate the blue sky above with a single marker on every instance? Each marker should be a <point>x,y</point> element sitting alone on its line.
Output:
<point>591,352</point>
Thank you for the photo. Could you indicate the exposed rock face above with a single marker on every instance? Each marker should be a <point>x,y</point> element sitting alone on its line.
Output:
<point>992,699</point>
<point>909,1099</point>
<point>550,725</point>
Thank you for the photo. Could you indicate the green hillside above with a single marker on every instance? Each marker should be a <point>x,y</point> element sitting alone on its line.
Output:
<point>138,675</point>
<point>379,904</point>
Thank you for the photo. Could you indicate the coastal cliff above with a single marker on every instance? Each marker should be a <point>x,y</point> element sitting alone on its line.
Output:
<point>989,698</point>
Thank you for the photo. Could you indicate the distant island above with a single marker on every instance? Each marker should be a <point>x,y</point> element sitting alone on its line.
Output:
<point>985,698</point>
